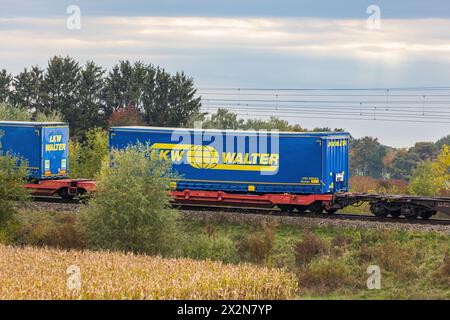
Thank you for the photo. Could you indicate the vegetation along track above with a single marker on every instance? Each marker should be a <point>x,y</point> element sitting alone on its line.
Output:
<point>257,215</point>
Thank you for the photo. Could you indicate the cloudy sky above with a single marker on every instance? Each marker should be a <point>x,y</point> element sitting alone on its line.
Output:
<point>251,43</point>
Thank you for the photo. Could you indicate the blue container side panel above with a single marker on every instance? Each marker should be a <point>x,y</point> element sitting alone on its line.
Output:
<point>45,149</point>
<point>23,142</point>
<point>296,165</point>
<point>55,153</point>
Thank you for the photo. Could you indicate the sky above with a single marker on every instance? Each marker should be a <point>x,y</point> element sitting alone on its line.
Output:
<point>251,44</point>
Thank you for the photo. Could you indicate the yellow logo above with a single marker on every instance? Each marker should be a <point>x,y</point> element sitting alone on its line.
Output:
<point>55,144</point>
<point>207,157</point>
<point>337,143</point>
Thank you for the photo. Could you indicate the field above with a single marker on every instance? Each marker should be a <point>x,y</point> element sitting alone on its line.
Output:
<point>31,273</point>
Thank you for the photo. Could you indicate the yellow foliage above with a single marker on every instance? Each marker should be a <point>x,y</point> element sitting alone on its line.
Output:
<point>31,273</point>
<point>441,168</point>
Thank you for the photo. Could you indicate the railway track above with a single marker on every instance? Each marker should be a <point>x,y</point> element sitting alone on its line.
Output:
<point>275,212</point>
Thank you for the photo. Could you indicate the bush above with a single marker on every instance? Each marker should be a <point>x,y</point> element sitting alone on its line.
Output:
<point>9,113</point>
<point>13,174</point>
<point>217,248</point>
<point>85,159</point>
<point>130,210</point>
<point>309,247</point>
<point>54,229</point>
<point>325,275</point>
<point>255,247</point>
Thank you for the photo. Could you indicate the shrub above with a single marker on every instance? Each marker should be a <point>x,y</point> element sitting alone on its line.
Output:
<point>10,113</point>
<point>325,275</point>
<point>85,159</point>
<point>256,247</point>
<point>13,174</point>
<point>130,210</point>
<point>309,247</point>
<point>218,248</point>
<point>55,229</point>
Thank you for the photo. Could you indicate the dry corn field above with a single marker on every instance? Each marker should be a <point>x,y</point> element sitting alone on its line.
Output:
<point>32,273</point>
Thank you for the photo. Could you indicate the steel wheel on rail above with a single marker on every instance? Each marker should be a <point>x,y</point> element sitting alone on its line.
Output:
<point>378,209</point>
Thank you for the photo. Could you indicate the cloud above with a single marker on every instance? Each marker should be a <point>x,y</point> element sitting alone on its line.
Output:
<point>397,40</point>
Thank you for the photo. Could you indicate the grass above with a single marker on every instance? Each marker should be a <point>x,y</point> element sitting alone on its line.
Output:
<point>33,273</point>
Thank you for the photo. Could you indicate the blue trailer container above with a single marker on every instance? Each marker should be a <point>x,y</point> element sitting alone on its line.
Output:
<point>44,145</point>
<point>247,161</point>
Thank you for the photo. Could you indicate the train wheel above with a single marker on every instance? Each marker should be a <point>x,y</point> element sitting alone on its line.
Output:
<point>287,208</point>
<point>316,208</point>
<point>378,209</point>
<point>395,214</point>
<point>426,215</point>
<point>301,209</point>
<point>331,211</point>
<point>410,212</point>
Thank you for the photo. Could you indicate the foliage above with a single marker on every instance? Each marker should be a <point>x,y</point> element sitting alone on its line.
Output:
<point>86,96</point>
<point>308,248</point>
<point>256,247</point>
<point>441,169</point>
<point>13,174</point>
<point>47,228</point>
<point>85,158</point>
<point>127,116</point>
<point>31,273</point>
<point>9,113</point>
<point>367,156</point>
<point>130,209</point>
<point>207,247</point>
<point>423,180</point>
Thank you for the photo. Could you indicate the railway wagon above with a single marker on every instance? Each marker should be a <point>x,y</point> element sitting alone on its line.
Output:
<point>247,162</point>
<point>44,146</point>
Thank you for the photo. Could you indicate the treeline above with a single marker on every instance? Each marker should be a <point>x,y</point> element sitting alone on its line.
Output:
<point>87,96</point>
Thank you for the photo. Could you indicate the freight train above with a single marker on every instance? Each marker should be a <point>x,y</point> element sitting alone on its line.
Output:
<point>294,171</point>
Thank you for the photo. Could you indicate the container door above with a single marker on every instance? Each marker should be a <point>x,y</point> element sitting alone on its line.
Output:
<point>55,153</point>
<point>336,163</point>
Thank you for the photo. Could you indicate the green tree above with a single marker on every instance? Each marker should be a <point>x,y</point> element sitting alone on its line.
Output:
<point>91,109</point>
<point>223,119</point>
<point>366,157</point>
<point>10,113</point>
<point>423,179</point>
<point>443,141</point>
<point>130,210</point>
<point>61,83</point>
<point>85,158</point>
<point>5,83</point>
<point>28,90</point>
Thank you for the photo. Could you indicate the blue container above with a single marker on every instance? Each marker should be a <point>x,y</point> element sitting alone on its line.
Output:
<point>247,161</point>
<point>44,145</point>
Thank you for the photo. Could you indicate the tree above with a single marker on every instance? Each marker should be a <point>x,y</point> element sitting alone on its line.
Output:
<point>91,109</point>
<point>443,141</point>
<point>223,119</point>
<point>128,116</point>
<point>10,113</point>
<point>403,164</point>
<point>5,84</point>
<point>366,157</point>
<point>423,179</point>
<point>61,84</point>
<point>28,90</point>
<point>441,169</point>
<point>130,210</point>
